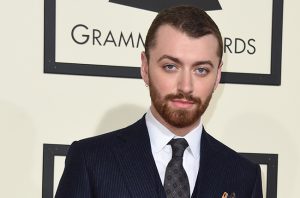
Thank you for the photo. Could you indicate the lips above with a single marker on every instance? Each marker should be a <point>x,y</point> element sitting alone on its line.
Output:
<point>182,103</point>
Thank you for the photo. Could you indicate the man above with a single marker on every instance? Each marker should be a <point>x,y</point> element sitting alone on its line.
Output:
<point>167,153</point>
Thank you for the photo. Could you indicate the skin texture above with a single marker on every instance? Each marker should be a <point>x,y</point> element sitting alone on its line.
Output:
<point>182,73</point>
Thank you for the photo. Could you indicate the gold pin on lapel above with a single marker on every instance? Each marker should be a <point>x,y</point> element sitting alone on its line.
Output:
<point>225,195</point>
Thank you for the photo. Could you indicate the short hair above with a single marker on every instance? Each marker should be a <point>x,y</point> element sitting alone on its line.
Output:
<point>189,19</point>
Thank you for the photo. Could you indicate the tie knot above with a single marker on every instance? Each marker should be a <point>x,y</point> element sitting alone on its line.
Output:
<point>178,146</point>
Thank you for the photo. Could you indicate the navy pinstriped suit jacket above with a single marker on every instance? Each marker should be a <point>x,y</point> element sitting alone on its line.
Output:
<point>120,165</point>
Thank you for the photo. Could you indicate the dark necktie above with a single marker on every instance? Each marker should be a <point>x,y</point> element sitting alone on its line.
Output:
<point>176,182</point>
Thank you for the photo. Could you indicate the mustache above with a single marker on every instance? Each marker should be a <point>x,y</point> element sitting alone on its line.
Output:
<point>182,95</point>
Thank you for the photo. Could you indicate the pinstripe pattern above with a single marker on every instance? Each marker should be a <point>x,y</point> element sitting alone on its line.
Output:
<point>120,165</point>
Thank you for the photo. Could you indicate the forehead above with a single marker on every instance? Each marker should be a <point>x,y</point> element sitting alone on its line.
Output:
<point>172,41</point>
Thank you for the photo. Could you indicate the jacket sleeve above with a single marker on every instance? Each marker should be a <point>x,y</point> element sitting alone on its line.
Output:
<point>257,188</point>
<point>74,182</point>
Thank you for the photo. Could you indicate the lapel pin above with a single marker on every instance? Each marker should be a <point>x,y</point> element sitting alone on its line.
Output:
<point>225,195</point>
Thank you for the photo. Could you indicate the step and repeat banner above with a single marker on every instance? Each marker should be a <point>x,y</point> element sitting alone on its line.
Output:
<point>105,38</point>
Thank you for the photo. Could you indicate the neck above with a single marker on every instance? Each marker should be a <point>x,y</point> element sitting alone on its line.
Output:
<point>177,131</point>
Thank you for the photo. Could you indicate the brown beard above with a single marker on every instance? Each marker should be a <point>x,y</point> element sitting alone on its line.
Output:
<point>178,118</point>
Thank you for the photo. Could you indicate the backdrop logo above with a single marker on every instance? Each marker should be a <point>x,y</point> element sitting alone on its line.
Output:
<point>107,39</point>
<point>159,5</point>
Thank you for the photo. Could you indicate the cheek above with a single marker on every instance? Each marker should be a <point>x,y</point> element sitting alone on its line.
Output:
<point>164,87</point>
<point>204,89</point>
<point>163,84</point>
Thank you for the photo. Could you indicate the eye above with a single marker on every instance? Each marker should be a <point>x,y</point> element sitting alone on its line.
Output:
<point>202,71</point>
<point>169,67</point>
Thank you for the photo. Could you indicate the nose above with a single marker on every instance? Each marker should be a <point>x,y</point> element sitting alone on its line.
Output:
<point>185,82</point>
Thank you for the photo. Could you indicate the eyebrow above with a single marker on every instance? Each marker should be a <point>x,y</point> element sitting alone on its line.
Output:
<point>176,60</point>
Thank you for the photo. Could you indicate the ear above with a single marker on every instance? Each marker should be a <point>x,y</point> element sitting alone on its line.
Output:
<point>219,73</point>
<point>144,68</point>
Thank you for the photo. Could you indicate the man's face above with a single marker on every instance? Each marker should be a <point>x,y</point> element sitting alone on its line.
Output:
<point>182,73</point>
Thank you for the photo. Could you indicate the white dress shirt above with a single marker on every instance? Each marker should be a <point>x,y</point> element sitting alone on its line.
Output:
<point>162,152</point>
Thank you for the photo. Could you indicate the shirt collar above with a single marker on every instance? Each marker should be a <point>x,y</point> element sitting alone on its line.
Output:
<point>160,136</point>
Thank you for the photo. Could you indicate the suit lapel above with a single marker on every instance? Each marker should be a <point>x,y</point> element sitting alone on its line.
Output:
<point>136,161</point>
<point>133,153</point>
<point>210,168</point>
